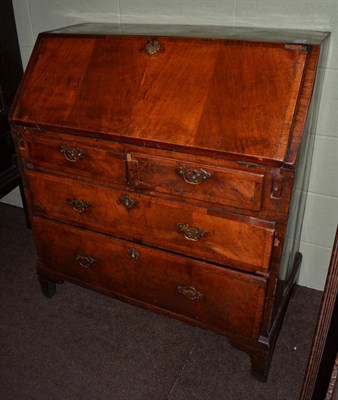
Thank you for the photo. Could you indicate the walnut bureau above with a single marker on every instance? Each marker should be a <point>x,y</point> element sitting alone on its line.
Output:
<point>167,166</point>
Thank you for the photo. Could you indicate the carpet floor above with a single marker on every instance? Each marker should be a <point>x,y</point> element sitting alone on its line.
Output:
<point>82,345</point>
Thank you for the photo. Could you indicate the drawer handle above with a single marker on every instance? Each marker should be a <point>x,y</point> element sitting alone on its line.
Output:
<point>191,233</point>
<point>73,154</point>
<point>85,261</point>
<point>127,201</point>
<point>133,253</point>
<point>190,292</point>
<point>193,176</point>
<point>79,205</point>
<point>153,46</point>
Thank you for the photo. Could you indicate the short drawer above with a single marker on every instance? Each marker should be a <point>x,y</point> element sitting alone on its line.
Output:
<point>219,237</point>
<point>218,298</point>
<point>198,181</point>
<point>72,158</point>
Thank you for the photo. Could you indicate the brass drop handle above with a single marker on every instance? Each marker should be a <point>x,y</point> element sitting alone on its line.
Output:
<point>79,205</point>
<point>191,233</point>
<point>190,292</point>
<point>152,46</point>
<point>127,201</point>
<point>85,261</point>
<point>73,154</point>
<point>193,176</point>
<point>133,253</point>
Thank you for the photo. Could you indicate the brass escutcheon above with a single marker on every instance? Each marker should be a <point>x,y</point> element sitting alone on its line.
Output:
<point>85,261</point>
<point>190,292</point>
<point>73,154</point>
<point>152,46</point>
<point>133,253</point>
<point>191,233</point>
<point>79,205</point>
<point>193,176</point>
<point>127,201</point>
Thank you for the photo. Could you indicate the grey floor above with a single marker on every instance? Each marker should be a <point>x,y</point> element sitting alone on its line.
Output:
<point>82,345</point>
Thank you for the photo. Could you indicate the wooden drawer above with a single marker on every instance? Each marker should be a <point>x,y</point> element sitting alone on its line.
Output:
<point>219,237</point>
<point>217,297</point>
<point>205,182</point>
<point>73,158</point>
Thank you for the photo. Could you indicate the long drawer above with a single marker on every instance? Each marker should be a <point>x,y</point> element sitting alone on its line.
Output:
<point>217,297</point>
<point>199,232</point>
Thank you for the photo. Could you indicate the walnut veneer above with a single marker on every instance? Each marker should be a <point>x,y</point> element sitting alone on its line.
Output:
<point>167,166</point>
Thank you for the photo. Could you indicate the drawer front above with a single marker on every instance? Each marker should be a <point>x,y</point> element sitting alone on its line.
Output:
<point>210,183</point>
<point>217,297</point>
<point>222,238</point>
<point>71,158</point>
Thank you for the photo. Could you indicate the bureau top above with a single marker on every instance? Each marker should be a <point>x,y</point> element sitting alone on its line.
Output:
<point>197,31</point>
<point>246,96</point>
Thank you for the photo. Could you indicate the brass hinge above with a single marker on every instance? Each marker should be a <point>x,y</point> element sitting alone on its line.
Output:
<point>277,187</point>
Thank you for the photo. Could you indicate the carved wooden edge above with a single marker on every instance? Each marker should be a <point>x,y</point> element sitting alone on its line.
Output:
<point>322,329</point>
<point>333,381</point>
<point>18,137</point>
<point>306,92</point>
<point>296,86</point>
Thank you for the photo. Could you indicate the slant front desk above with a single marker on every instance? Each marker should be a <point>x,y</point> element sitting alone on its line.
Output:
<point>167,166</point>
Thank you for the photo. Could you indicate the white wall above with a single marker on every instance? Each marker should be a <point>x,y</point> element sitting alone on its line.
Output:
<point>321,217</point>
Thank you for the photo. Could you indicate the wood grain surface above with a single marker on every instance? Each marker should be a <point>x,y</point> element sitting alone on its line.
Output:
<point>230,96</point>
<point>232,301</point>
